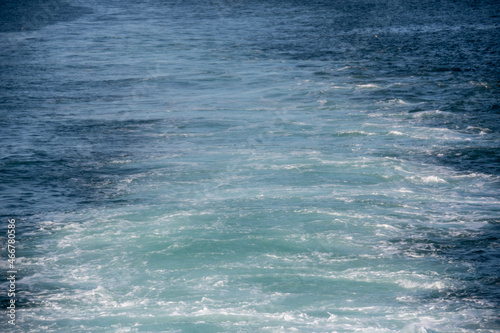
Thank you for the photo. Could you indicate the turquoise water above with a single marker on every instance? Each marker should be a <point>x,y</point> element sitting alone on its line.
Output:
<point>231,166</point>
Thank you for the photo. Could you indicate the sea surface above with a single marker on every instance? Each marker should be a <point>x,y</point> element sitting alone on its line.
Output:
<point>251,166</point>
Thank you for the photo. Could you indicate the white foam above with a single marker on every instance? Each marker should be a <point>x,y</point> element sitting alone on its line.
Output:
<point>428,179</point>
<point>394,101</point>
<point>409,284</point>
<point>368,86</point>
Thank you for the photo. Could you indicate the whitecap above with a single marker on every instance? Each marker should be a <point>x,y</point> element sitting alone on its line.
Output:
<point>431,179</point>
<point>368,86</point>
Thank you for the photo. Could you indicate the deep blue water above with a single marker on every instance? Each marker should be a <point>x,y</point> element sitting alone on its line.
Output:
<point>251,166</point>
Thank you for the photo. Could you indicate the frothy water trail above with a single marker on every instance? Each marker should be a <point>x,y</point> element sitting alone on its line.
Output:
<point>253,167</point>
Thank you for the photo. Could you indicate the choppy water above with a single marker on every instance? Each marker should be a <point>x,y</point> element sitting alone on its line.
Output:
<point>251,166</point>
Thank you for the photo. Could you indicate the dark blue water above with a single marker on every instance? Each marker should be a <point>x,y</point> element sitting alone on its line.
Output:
<point>264,166</point>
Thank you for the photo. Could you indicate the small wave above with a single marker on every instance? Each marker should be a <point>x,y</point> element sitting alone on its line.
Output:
<point>478,130</point>
<point>480,84</point>
<point>407,284</point>
<point>367,86</point>
<point>394,101</point>
<point>432,114</point>
<point>428,179</point>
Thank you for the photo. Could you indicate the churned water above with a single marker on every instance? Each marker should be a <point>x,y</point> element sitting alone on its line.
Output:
<point>251,166</point>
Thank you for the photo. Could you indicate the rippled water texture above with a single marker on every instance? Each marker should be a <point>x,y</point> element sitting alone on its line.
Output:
<point>251,166</point>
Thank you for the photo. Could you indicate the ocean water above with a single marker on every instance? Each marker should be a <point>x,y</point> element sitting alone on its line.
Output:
<point>251,166</point>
